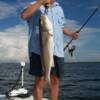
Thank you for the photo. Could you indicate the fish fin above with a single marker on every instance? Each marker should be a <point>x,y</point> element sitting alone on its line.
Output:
<point>53,64</point>
<point>46,40</point>
<point>47,78</point>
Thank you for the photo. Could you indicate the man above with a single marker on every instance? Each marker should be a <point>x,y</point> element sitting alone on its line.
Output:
<point>55,13</point>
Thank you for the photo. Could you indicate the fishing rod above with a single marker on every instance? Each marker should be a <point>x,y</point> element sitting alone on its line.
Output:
<point>88,19</point>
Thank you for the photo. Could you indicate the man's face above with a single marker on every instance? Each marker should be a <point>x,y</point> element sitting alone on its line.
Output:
<point>50,1</point>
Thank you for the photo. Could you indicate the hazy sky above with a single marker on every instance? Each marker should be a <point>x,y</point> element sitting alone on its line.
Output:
<point>13,30</point>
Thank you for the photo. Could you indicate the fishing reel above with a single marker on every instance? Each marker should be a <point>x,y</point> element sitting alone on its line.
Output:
<point>71,50</point>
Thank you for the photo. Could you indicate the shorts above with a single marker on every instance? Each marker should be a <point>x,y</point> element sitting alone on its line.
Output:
<point>36,67</point>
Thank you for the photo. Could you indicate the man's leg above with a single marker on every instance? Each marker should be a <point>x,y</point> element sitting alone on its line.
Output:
<point>38,88</point>
<point>54,88</point>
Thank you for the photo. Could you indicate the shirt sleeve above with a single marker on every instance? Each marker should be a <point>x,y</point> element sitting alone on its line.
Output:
<point>62,17</point>
<point>31,3</point>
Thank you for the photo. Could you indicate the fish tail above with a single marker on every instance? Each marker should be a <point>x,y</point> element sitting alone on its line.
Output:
<point>47,76</point>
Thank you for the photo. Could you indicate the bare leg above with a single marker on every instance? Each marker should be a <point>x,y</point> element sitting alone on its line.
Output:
<point>38,88</point>
<point>54,88</point>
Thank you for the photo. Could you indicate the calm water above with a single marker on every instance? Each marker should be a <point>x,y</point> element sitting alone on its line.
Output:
<point>80,81</point>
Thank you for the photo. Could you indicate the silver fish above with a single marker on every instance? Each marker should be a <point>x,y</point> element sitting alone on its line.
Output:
<point>47,45</point>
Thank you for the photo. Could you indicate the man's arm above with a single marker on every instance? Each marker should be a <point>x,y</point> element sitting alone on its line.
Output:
<point>30,10</point>
<point>74,35</point>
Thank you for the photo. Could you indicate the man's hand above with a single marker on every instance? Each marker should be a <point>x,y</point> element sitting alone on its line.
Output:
<point>75,34</point>
<point>42,2</point>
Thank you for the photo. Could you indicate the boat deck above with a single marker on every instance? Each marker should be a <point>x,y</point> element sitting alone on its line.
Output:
<point>3,97</point>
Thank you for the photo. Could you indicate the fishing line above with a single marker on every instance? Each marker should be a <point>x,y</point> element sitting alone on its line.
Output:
<point>88,19</point>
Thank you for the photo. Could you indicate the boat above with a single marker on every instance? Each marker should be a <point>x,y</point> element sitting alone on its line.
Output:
<point>3,97</point>
<point>20,93</point>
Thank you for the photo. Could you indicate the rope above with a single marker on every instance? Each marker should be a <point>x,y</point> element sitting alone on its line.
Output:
<point>14,86</point>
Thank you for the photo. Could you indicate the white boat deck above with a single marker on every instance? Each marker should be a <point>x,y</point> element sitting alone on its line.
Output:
<point>3,97</point>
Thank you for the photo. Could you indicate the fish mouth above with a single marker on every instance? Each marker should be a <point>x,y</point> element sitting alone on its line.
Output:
<point>47,5</point>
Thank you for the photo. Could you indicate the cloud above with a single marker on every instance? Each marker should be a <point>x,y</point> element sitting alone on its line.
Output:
<point>6,10</point>
<point>17,30</point>
<point>13,45</point>
<point>92,7</point>
<point>13,49</point>
<point>88,55</point>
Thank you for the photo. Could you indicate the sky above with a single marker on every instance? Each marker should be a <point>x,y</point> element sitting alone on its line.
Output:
<point>14,31</point>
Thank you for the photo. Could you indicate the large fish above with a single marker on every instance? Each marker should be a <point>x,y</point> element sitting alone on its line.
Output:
<point>46,45</point>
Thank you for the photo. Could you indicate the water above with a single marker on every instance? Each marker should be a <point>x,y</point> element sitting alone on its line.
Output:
<point>80,81</point>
